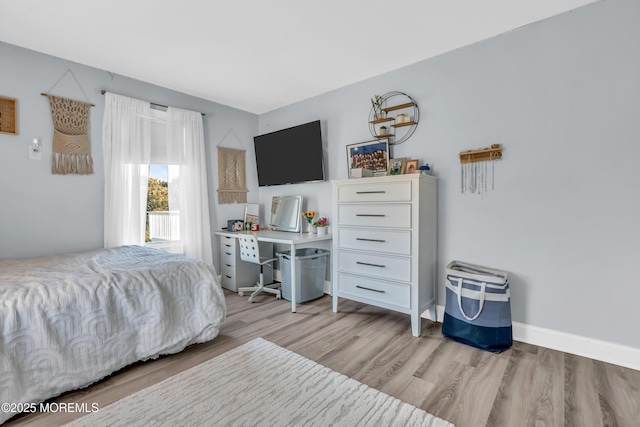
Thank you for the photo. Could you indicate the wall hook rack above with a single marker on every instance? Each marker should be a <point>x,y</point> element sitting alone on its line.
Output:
<point>482,154</point>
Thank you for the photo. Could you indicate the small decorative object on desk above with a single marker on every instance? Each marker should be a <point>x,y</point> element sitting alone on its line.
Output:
<point>235,225</point>
<point>309,215</point>
<point>426,170</point>
<point>321,225</point>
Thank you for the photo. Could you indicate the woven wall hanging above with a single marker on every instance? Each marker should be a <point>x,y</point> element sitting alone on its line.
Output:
<point>71,149</point>
<point>232,182</point>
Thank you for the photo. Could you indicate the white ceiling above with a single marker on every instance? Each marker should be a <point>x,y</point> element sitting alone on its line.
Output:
<point>259,55</point>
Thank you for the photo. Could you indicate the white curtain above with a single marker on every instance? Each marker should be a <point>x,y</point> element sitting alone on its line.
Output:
<point>185,136</point>
<point>126,144</point>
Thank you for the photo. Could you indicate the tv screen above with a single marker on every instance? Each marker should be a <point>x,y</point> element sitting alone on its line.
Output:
<point>290,156</point>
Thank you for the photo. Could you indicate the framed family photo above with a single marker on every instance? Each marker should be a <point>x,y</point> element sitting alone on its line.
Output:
<point>411,166</point>
<point>371,155</point>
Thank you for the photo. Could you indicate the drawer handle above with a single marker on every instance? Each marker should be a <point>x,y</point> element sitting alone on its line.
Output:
<point>380,215</point>
<point>370,240</point>
<point>371,265</point>
<point>228,246</point>
<point>370,289</point>
<point>371,192</point>
<point>228,253</point>
<point>228,265</point>
<point>228,277</point>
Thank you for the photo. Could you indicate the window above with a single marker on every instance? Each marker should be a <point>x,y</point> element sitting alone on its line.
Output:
<point>163,213</point>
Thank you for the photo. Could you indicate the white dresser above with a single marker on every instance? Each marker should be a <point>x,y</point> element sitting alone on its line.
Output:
<point>235,273</point>
<point>384,243</point>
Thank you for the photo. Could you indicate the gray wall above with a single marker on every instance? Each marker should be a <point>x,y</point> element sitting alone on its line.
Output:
<point>41,213</point>
<point>563,97</point>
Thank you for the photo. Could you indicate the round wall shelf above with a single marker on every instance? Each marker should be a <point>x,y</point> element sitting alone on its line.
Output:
<point>399,114</point>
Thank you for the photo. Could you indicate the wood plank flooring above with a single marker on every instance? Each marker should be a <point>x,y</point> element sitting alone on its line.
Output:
<point>523,386</point>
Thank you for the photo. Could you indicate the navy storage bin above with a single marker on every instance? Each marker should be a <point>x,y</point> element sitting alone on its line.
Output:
<point>478,307</point>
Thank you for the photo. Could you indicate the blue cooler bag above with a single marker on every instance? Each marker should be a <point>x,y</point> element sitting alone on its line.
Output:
<point>478,307</point>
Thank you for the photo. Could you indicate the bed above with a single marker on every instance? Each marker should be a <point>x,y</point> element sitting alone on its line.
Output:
<point>69,320</point>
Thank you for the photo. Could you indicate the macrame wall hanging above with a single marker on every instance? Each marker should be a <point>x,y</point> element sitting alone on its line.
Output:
<point>232,183</point>
<point>71,153</point>
<point>474,169</point>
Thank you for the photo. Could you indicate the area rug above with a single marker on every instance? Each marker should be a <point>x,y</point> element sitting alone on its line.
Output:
<point>259,384</point>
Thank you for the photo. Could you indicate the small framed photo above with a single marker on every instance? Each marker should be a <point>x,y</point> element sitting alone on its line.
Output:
<point>371,155</point>
<point>396,166</point>
<point>250,220</point>
<point>411,166</point>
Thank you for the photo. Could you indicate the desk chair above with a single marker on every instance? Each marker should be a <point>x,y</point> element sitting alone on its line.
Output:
<point>250,252</point>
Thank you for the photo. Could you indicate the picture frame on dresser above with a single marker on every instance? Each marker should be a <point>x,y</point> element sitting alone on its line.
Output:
<point>396,166</point>
<point>372,155</point>
<point>411,166</point>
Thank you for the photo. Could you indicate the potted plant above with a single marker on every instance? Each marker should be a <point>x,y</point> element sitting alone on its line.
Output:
<point>321,225</point>
<point>383,130</point>
<point>376,103</point>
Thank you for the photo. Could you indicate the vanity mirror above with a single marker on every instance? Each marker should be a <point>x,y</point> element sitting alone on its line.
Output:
<point>286,213</point>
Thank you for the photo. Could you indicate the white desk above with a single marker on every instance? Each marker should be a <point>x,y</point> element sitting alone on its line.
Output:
<point>286,238</point>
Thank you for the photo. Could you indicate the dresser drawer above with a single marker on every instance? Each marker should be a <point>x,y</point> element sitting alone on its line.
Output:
<point>375,290</point>
<point>375,215</point>
<point>390,241</point>
<point>375,192</point>
<point>382,266</point>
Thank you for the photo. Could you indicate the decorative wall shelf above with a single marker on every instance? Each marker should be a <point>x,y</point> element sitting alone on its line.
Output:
<point>395,102</point>
<point>8,115</point>
<point>481,155</point>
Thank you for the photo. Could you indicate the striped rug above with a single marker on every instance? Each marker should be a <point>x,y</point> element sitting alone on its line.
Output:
<point>259,384</point>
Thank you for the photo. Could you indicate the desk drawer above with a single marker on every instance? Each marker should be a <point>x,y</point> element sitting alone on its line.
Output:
<point>390,241</point>
<point>372,215</point>
<point>375,192</point>
<point>228,250</point>
<point>387,267</point>
<point>385,292</point>
<point>228,278</point>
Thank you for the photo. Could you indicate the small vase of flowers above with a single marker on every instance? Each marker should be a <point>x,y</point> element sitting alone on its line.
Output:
<point>321,225</point>
<point>309,215</point>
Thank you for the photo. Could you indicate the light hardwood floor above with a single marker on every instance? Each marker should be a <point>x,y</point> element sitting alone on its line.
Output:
<point>523,386</point>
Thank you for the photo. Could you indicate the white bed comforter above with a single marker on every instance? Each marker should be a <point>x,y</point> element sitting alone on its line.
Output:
<point>69,320</point>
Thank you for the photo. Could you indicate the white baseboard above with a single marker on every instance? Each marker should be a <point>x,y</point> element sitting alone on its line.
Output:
<point>604,351</point>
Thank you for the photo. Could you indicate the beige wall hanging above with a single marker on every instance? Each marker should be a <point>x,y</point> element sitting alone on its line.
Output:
<point>232,182</point>
<point>71,152</point>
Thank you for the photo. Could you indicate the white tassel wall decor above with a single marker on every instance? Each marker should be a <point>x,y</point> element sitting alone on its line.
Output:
<point>474,169</point>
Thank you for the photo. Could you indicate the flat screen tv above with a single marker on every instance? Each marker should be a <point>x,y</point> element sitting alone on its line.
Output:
<point>290,156</point>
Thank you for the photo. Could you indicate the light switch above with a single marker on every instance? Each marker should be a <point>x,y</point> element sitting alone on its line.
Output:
<point>35,149</point>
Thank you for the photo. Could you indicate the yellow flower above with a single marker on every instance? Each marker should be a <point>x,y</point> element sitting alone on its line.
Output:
<point>309,215</point>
